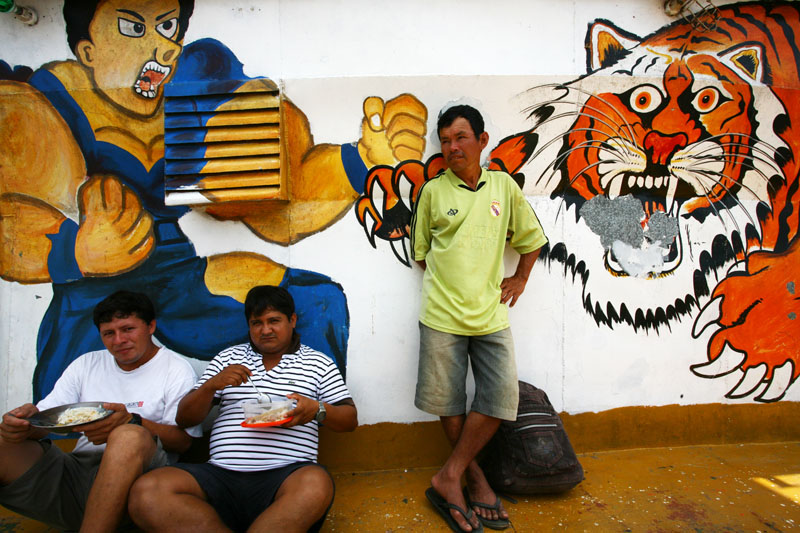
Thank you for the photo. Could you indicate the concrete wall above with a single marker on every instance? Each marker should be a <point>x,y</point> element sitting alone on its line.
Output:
<point>572,333</point>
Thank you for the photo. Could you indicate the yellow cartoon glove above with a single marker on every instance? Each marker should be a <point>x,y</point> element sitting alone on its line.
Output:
<point>115,233</point>
<point>393,131</point>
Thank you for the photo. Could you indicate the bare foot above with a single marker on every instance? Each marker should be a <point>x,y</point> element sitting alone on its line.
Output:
<point>450,490</point>
<point>479,491</point>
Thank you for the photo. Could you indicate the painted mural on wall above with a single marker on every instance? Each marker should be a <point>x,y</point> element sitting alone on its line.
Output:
<point>688,131</point>
<point>82,188</point>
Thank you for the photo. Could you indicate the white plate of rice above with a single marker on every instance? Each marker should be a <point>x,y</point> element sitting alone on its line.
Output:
<point>64,418</point>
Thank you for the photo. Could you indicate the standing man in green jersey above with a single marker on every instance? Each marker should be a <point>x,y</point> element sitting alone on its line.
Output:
<point>461,223</point>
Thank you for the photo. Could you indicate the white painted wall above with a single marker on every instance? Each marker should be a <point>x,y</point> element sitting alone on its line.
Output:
<point>331,55</point>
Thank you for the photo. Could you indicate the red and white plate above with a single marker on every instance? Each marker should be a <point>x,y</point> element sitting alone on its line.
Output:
<point>245,424</point>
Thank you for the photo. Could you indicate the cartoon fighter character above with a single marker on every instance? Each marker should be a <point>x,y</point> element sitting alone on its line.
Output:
<point>82,190</point>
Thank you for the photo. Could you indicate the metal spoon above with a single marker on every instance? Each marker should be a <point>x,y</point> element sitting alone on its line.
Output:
<point>262,398</point>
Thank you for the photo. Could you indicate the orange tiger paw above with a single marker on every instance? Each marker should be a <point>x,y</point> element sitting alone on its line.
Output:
<point>756,312</point>
<point>384,209</point>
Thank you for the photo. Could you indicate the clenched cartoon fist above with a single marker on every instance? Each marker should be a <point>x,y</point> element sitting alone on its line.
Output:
<point>115,233</point>
<point>393,131</point>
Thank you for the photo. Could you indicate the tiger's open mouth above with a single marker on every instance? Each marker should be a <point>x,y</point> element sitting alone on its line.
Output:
<point>659,252</point>
<point>636,242</point>
<point>637,217</point>
<point>150,78</point>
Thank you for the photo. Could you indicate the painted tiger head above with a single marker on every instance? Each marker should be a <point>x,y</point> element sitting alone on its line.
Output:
<point>670,143</point>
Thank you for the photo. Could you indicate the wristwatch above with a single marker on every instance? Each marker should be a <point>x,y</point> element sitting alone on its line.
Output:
<point>136,419</point>
<point>322,413</point>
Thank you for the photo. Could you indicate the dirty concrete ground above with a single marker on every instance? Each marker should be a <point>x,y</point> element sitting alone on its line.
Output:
<point>753,487</point>
<point>731,488</point>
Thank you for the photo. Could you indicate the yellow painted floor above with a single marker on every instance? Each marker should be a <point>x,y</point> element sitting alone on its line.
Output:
<point>725,488</point>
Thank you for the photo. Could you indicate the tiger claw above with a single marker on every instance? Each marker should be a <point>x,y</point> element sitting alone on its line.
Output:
<point>752,378</point>
<point>782,377</point>
<point>728,361</point>
<point>709,314</point>
<point>405,187</point>
<point>737,267</point>
<point>369,223</point>
<point>402,254</point>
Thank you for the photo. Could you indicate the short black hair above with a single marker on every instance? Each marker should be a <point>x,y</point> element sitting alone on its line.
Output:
<point>472,115</point>
<point>78,14</point>
<point>123,304</point>
<point>264,297</point>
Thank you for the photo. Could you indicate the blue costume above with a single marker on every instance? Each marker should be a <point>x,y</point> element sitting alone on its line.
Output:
<point>191,320</point>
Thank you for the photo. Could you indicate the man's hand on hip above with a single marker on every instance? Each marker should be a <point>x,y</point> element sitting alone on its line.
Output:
<point>511,289</point>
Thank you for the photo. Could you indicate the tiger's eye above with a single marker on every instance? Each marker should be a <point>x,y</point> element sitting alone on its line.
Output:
<point>706,99</point>
<point>645,98</point>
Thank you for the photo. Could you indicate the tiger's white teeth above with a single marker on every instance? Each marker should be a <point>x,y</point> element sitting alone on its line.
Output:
<point>658,182</point>
<point>670,202</point>
<point>648,182</point>
<point>612,182</point>
<point>615,187</point>
<point>640,181</point>
<point>631,182</point>
<point>607,176</point>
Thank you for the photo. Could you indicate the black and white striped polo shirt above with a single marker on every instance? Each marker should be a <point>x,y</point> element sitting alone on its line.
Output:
<point>306,372</point>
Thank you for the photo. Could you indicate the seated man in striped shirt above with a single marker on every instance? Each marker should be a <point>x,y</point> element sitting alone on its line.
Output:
<point>257,479</point>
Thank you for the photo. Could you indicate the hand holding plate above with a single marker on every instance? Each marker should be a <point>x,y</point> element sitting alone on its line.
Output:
<point>14,427</point>
<point>304,411</point>
<point>97,432</point>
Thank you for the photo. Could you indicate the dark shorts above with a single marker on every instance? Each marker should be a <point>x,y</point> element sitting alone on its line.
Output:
<point>239,497</point>
<point>55,489</point>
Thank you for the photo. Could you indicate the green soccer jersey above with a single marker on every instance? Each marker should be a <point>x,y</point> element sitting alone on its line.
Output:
<point>461,235</point>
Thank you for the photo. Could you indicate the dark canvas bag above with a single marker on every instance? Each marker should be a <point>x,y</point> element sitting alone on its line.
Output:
<point>531,455</point>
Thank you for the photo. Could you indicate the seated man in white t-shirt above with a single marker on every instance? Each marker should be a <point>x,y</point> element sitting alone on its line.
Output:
<point>142,384</point>
<point>257,479</point>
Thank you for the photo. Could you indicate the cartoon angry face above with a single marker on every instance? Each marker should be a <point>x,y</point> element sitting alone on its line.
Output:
<point>132,52</point>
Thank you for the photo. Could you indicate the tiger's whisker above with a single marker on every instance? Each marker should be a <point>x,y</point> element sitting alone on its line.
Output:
<point>590,94</point>
<point>576,176</point>
<point>611,123</point>
<point>560,139</point>
<point>744,159</point>
<point>744,163</point>
<point>769,160</point>
<point>755,140</point>
<point>712,174</point>
<point>556,163</point>
<point>706,194</point>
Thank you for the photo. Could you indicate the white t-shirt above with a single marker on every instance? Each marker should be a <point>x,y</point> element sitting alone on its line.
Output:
<point>153,390</point>
<point>306,372</point>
